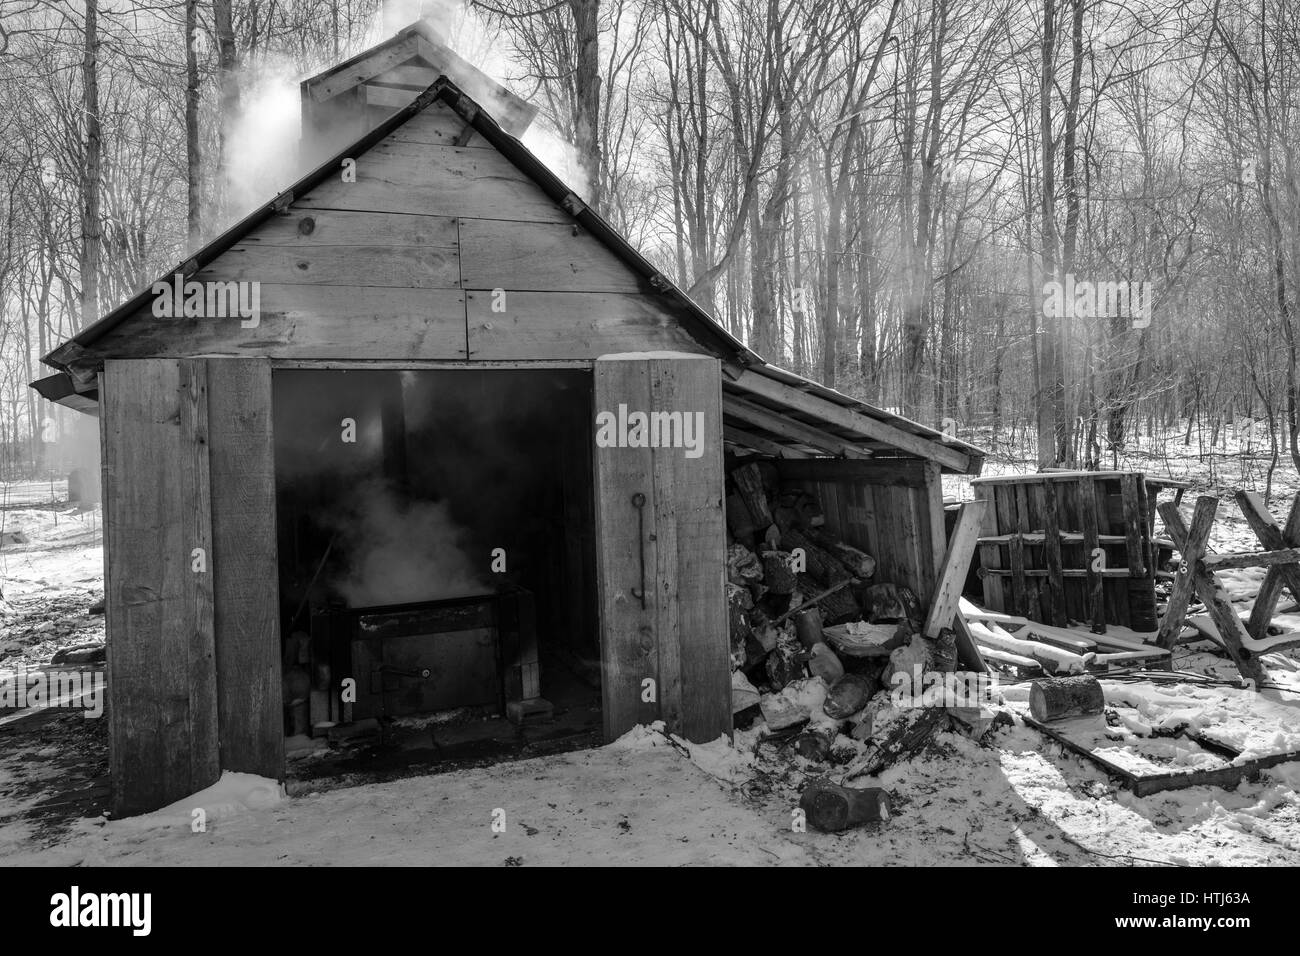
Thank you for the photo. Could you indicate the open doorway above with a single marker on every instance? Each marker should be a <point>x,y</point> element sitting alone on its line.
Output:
<point>436,564</point>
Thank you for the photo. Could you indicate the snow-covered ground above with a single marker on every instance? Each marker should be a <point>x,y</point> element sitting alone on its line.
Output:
<point>51,571</point>
<point>644,802</point>
<point>1015,799</point>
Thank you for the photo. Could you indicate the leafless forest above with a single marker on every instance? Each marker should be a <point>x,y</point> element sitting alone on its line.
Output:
<point>878,193</point>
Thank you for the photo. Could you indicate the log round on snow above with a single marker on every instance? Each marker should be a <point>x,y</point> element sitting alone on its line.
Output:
<point>1055,698</point>
<point>830,807</point>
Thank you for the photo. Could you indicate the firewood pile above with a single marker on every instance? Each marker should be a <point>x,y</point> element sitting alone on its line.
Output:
<point>816,639</point>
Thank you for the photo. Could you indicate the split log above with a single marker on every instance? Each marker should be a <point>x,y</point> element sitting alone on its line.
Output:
<point>837,602</point>
<point>821,565</point>
<point>808,627</point>
<point>829,807</point>
<point>822,598</point>
<point>777,574</point>
<point>942,650</point>
<point>857,639</point>
<point>906,736</point>
<point>823,663</point>
<point>739,520</point>
<point>894,602</point>
<point>783,665</point>
<point>848,695</point>
<point>748,481</point>
<point>796,508</point>
<point>1055,698</point>
<point>743,566</point>
<point>856,561</point>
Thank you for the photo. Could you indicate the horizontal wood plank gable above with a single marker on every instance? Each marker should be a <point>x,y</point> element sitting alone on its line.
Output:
<point>340,227</point>
<point>539,256</point>
<point>438,125</point>
<point>557,325</point>
<point>413,267</point>
<point>303,321</point>
<point>437,180</point>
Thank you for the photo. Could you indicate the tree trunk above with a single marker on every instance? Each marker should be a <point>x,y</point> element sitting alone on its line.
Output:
<point>91,177</point>
<point>193,159</point>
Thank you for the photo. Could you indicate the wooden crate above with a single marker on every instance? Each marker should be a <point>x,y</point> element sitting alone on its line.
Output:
<point>1039,536</point>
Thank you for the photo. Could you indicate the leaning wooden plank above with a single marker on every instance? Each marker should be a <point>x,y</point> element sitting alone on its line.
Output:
<point>1217,603</point>
<point>969,654</point>
<point>1191,548</point>
<point>952,572</point>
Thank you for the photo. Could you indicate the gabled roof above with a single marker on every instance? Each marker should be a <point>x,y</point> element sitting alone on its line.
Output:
<point>766,408</point>
<point>389,74</point>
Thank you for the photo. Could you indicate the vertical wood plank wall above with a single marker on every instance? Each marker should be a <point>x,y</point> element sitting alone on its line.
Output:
<point>161,661</point>
<point>892,509</point>
<point>680,638</point>
<point>245,567</point>
<point>194,656</point>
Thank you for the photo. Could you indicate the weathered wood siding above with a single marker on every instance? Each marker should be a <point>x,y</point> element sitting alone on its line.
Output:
<point>1038,538</point>
<point>679,638</point>
<point>892,509</point>
<point>436,251</point>
<point>245,568</point>
<point>162,681</point>
<point>194,655</point>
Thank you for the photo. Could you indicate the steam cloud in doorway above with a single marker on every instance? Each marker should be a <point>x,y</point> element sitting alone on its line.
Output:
<point>402,552</point>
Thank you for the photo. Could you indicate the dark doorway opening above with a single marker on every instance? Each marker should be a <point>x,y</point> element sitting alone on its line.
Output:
<point>437,551</point>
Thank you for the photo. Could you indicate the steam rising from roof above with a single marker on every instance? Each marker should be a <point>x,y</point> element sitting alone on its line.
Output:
<point>264,156</point>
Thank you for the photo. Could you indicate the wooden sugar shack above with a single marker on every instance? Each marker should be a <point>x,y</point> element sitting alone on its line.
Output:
<point>389,474</point>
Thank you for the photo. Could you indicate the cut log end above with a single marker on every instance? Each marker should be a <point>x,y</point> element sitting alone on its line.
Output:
<point>1057,698</point>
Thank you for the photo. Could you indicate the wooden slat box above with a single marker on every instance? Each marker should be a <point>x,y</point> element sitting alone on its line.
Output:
<point>1038,540</point>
